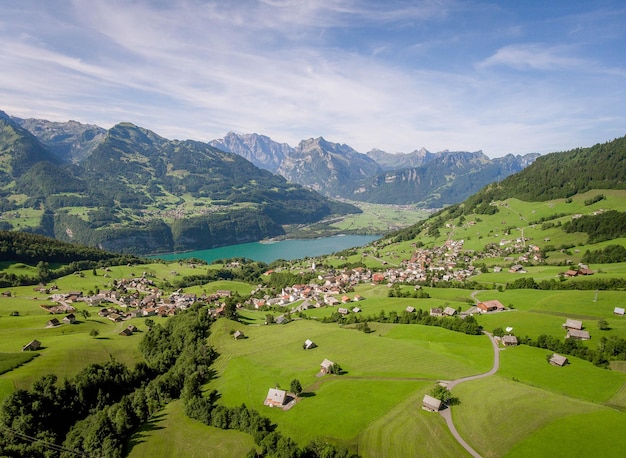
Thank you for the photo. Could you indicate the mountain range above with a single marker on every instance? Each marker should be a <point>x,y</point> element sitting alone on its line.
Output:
<point>127,189</point>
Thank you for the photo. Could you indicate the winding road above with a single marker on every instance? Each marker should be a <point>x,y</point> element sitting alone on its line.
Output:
<point>447,414</point>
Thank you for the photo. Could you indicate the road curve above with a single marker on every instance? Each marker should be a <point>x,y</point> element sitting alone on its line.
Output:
<point>447,413</point>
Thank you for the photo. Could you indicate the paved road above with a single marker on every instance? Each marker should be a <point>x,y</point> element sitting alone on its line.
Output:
<point>447,413</point>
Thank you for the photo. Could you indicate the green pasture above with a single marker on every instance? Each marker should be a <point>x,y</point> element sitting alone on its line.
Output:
<point>172,433</point>
<point>381,218</point>
<point>578,379</point>
<point>408,430</point>
<point>385,368</point>
<point>9,361</point>
<point>497,414</point>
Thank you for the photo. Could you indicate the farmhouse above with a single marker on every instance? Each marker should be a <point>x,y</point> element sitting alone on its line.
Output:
<point>431,404</point>
<point>577,334</point>
<point>573,324</point>
<point>32,345</point>
<point>326,366</point>
<point>308,344</point>
<point>618,311</point>
<point>238,335</point>
<point>558,360</point>
<point>275,397</point>
<point>490,306</point>
<point>509,340</point>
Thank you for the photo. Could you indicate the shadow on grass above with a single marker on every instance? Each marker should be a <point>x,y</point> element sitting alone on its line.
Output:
<point>143,433</point>
<point>307,394</point>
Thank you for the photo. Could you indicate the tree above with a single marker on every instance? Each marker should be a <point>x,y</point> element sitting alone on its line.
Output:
<point>444,395</point>
<point>603,325</point>
<point>94,333</point>
<point>296,387</point>
<point>85,313</point>
<point>149,322</point>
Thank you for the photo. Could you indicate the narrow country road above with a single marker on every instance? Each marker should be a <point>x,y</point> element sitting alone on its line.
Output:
<point>447,413</point>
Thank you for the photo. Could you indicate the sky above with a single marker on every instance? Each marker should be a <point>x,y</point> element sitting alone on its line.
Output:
<point>498,76</point>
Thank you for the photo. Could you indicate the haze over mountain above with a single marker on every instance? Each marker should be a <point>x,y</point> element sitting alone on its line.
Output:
<point>138,192</point>
<point>337,170</point>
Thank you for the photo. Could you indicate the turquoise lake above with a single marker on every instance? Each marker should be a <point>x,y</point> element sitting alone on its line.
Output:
<point>284,249</point>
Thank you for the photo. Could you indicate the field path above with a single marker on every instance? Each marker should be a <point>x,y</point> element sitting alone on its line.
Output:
<point>447,414</point>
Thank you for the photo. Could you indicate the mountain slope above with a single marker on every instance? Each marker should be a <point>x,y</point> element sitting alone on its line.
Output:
<point>141,193</point>
<point>261,150</point>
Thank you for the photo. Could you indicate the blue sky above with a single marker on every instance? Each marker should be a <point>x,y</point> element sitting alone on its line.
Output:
<point>498,76</point>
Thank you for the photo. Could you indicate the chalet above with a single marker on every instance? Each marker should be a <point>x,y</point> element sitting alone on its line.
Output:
<point>449,311</point>
<point>571,273</point>
<point>357,298</point>
<point>52,323</point>
<point>517,268</point>
<point>509,340</point>
<point>618,311</point>
<point>490,306</point>
<point>343,310</point>
<point>409,309</point>
<point>308,344</point>
<point>115,317</point>
<point>33,345</point>
<point>345,299</point>
<point>326,366</point>
<point>126,332</point>
<point>280,319</point>
<point>330,300</point>
<point>275,397</point>
<point>436,311</point>
<point>558,360</point>
<point>223,292</point>
<point>573,324</point>
<point>431,404</point>
<point>70,319</point>
<point>356,310</point>
<point>238,335</point>
<point>577,334</point>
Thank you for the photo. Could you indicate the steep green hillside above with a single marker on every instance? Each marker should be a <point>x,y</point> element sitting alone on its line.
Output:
<point>141,193</point>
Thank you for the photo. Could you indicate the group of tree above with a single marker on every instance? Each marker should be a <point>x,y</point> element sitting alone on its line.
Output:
<point>466,324</point>
<point>585,284</point>
<point>611,348</point>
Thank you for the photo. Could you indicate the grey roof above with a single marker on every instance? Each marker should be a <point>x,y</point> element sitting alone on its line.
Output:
<point>573,324</point>
<point>558,360</point>
<point>431,403</point>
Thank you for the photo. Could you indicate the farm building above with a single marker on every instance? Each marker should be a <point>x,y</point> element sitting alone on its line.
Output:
<point>431,404</point>
<point>126,332</point>
<point>52,323</point>
<point>308,344</point>
<point>509,340</point>
<point>343,310</point>
<point>436,311</point>
<point>490,306</point>
<point>70,319</point>
<point>356,310</point>
<point>577,334</point>
<point>238,335</point>
<point>449,311</point>
<point>326,366</point>
<point>558,360</point>
<point>275,397</point>
<point>132,328</point>
<point>409,309</point>
<point>618,311</point>
<point>573,324</point>
<point>32,345</point>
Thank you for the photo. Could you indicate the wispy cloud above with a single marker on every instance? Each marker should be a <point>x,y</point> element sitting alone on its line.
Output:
<point>395,75</point>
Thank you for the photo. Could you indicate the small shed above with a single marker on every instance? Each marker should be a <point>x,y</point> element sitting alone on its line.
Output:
<point>409,309</point>
<point>436,311</point>
<point>238,335</point>
<point>573,324</point>
<point>275,397</point>
<point>449,311</point>
<point>308,344</point>
<point>52,323</point>
<point>343,310</point>
<point>70,319</point>
<point>431,404</point>
<point>326,366</point>
<point>33,345</point>
<point>558,360</point>
<point>577,334</point>
<point>509,340</point>
<point>619,311</point>
<point>126,332</point>
<point>356,310</point>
